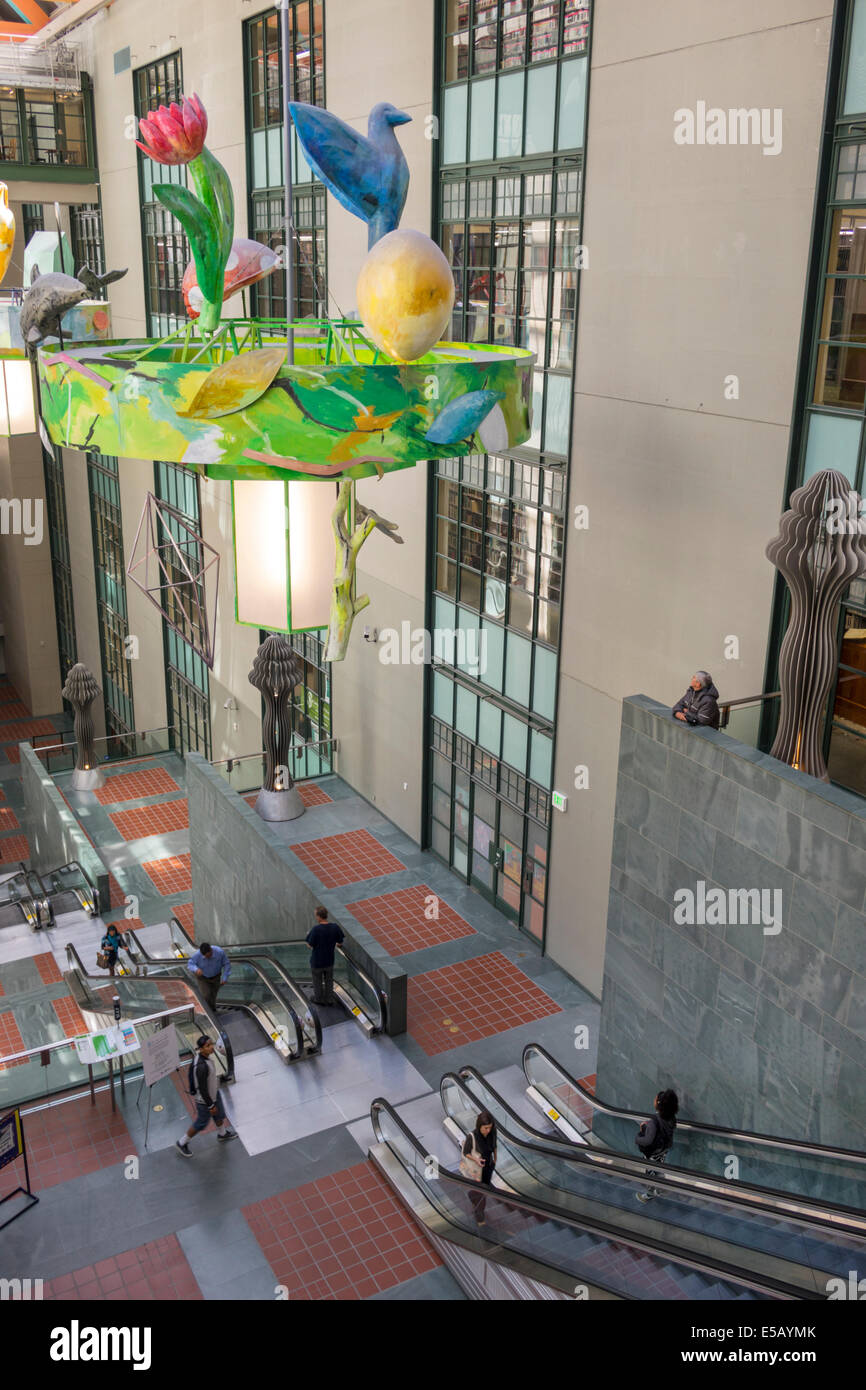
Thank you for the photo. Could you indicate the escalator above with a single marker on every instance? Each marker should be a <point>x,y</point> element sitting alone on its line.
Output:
<point>257,1005</point>
<point>813,1171</point>
<point>68,888</point>
<point>359,997</point>
<point>22,899</point>
<point>543,1248</point>
<point>140,997</point>
<point>798,1243</point>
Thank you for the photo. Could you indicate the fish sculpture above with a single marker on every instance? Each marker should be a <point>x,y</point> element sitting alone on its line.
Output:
<point>53,295</point>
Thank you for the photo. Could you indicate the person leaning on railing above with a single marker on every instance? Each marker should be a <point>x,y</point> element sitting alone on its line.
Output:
<point>700,704</point>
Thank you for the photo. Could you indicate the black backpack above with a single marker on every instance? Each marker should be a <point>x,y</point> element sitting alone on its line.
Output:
<point>659,1143</point>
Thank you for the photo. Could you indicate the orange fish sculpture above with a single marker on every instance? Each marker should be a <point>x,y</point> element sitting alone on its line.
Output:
<point>248,262</point>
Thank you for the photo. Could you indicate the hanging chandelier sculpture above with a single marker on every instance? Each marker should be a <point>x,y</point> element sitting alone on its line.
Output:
<point>252,400</point>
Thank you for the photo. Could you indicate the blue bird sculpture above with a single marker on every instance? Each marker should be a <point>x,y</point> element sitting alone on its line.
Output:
<point>368,174</point>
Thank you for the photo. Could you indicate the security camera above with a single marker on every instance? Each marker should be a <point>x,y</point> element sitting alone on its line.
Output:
<point>231,703</point>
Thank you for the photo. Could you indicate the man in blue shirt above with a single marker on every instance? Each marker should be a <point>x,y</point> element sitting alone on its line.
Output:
<point>322,940</point>
<point>212,967</point>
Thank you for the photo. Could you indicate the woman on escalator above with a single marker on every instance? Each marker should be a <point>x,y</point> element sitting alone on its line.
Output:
<point>109,947</point>
<point>478,1160</point>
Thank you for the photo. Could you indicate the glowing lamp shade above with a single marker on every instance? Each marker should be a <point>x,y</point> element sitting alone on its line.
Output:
<point>284,554</point>
<point>17,409</point>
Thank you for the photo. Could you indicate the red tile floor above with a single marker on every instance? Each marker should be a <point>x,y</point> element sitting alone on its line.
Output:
<point>347,858</point>
<point>157,1270</point>
<point>13,848</point>
<point>10,1041</point>
<point>152,820</point>
<point>471,1000</point>
<point>172,875</point>
<point>185,914</point>
<point>49,970</point>
<point>69,1016</point>
<point>66,1141</point>
<point>8,819</point>
<point>404,921</point>
<point>342,1237</point>
<point>310,794</point>
<point>134,786</point>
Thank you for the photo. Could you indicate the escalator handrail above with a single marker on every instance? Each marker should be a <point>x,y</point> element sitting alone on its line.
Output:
<point>811,1211</point>
<point>642,1244</point>
<point>771,1140</point>
<point>264,946</point>
<point>170,963</point>
<point>77,965</point>
<point>284,975</point>
<point>73,864</point>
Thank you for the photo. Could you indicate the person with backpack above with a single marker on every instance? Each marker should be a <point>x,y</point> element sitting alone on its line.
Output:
<point>478,1160</point>
<point>204,1086</point>
<point>656,1136</point>
<point>109,947</point>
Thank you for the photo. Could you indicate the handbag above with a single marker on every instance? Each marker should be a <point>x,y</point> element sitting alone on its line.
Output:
<point>470,1164</point>
<point>102,960</point>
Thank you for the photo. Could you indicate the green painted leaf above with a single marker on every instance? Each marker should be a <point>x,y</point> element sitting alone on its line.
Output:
<point>204,234</point>
<point>234,385</point>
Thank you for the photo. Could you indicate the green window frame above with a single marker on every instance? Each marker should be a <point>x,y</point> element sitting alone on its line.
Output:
<point>165,249</point>
<point>88,242</point>
<point>61,569</point>
<point>110,575</point>
<point>187,678</point>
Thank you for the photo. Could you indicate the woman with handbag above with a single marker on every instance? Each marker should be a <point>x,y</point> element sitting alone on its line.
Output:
<point>108,949</point>
<point>478,1160</point>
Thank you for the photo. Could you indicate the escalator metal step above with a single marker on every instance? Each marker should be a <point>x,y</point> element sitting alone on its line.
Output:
<point>245,1033</point>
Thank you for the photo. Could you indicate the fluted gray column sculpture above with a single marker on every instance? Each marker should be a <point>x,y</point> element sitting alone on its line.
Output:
<point>819,551</point>
<point>81,690</point>
<point>277,669</point>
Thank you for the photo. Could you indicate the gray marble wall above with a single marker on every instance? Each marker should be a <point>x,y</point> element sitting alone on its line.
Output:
<point>53,831</point>
<point>759,1025</point>
<point>248,886</point>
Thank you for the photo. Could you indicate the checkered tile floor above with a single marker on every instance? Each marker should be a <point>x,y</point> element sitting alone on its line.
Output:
<point>410,919</point>
<point>66,1141</point>
<point>17,730</point>
<point>152,820</point>
<point>157,1270</point>
<point>10,1039</point>
<point>342,1237</point>
<point>12,709</point>
<point>471,1000</point>
<point>170,875</point>
<point>134,786</point>
<point>13,848</point>
<point>69,1015</point>
<point>49,970</point>
<point>7,691</point>
<point>8,820</point>
<point>347,858</point>
<point>185,914</point>
<point>310,794</point>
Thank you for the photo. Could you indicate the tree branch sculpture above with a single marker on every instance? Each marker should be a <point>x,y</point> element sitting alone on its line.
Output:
<point>344,607</point>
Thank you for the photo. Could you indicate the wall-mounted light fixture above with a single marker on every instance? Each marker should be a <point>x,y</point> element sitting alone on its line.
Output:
<point>284,565</point>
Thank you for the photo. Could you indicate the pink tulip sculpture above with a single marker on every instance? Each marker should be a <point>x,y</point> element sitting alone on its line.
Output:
<point>176,135</point>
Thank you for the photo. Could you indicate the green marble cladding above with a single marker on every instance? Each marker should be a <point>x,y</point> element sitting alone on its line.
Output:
<point>756,1030</point>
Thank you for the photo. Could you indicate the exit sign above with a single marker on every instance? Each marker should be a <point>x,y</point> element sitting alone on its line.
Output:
<point>560,801</point>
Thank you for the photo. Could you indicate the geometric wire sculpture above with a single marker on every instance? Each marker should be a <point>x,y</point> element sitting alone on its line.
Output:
<point>175,560</point>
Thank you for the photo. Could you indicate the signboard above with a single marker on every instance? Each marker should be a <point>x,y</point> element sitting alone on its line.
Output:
<point>103,1046</point>
<point>159,1055</point>
<point>11,1138</point>
<point>559,801</point>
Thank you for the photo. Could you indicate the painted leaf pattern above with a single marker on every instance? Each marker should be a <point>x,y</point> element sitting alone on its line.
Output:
<point>235,384</point>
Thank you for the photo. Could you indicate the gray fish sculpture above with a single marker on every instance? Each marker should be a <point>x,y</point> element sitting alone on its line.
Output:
<point>51,296</point>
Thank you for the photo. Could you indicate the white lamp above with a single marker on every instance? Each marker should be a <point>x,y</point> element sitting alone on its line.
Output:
<point>17,407</point>
<point>284,554</point>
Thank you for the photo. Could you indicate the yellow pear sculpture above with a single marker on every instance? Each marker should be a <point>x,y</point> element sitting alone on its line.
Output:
<point>7,230</point>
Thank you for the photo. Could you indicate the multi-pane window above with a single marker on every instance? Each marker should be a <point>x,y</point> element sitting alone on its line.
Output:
<point>39,126</point>
<point>513,242</point>
<point>33,215</point>
<point>110,574</point>
<point>269,295</point>
<point>61,570</point>
<point>187,676</point>
<point>166,249</point>
<point>264,109</point>
<point>512,117</point>
<point>87,242</point>
<point>515,75</point>
<point>832,427</point>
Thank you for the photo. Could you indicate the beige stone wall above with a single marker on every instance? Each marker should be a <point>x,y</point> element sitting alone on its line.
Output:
<point>26,593</point>
<point>697,268</point>
<point>80,534</point>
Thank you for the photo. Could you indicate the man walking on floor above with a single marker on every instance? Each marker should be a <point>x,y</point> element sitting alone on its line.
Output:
<point>208,1102</point>
<point>322,939</point>
<point>212,967</point>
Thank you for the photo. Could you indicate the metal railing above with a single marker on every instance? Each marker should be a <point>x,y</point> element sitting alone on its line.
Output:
<point>60,757</point>
<point>54,65</point>
<point>751,720</point>
<point>306,760</point>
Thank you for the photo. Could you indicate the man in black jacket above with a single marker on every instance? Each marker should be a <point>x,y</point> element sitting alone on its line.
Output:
<point>699,705</point>
<point>208,1102</point>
